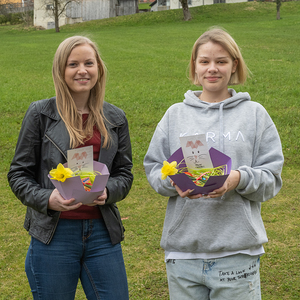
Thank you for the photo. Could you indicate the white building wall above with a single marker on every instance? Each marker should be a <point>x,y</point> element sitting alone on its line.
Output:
<point>235,1</point>
<point>175,4</point>
<point>43,17</point>
<point>85,10</point>
<point>88,10</point>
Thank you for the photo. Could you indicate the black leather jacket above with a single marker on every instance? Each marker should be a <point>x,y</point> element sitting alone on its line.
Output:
<point>43,143</point>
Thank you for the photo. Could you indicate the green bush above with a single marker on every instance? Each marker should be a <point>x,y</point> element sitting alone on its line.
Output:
<point>16,18</point>
<point>3,19</point>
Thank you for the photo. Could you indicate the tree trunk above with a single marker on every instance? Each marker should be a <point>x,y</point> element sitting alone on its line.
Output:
<point>278,4</point>
<point>185,8</point>
<point>56,17</point>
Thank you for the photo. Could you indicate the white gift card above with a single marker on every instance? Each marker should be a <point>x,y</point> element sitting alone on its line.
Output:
<point>195,151</point>
<point>81,159</point>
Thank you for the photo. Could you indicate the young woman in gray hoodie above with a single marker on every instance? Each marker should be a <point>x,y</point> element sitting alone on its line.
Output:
<point>213,242</point>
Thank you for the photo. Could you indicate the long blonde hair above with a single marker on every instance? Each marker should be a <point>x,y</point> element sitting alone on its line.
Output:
<point>65,103</point>
<point>221,37</point>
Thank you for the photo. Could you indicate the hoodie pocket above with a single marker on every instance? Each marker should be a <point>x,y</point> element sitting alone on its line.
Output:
<point>209,225</point>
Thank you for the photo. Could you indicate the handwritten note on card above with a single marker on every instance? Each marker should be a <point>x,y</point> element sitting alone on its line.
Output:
<point>81,159</point>
<point>195,151</point>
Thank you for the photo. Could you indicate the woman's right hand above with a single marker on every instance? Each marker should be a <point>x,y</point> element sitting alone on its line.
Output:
<point>58,203</point>
<point>187,193</point>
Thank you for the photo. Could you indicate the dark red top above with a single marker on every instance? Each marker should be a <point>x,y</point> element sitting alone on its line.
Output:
<point>84,211</point>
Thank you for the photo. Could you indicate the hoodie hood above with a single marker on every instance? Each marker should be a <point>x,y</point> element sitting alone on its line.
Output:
<point>192,99</point>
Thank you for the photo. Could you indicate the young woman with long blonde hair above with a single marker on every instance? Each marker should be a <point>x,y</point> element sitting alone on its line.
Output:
<point>73,241</point>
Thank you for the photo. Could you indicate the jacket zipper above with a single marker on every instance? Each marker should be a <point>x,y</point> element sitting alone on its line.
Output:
<point>56,146</point>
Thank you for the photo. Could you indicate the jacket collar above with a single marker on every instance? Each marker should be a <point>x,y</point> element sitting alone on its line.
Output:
<point>50,109</point>
<point>59,136</point>
<point>113,115</point>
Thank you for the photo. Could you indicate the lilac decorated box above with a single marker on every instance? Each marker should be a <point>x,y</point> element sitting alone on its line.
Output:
<point>73,187</point>
<point>214,182</point>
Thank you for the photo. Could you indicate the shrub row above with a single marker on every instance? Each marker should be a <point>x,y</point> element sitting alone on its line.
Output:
<point>16,18</point>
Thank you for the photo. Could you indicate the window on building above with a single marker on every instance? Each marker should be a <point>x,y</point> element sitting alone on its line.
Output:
<point>49,6</point>
<point>163,2</point>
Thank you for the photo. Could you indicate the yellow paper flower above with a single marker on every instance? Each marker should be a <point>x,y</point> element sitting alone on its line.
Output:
<point>61,173</point>
<point>168,169</point>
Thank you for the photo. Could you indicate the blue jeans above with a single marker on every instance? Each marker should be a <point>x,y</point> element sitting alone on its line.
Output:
<point>234,277</point>
<point>79,249</point>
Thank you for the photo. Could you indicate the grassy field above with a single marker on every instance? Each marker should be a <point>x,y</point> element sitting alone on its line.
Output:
<point>145,5</point>
<point>147,57</point>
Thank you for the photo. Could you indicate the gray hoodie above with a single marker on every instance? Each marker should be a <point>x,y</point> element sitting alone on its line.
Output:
<point>243,130</point>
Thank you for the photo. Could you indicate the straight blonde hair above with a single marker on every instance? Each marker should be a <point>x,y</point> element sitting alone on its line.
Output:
<point>65,103</point>
<point>221,37</point>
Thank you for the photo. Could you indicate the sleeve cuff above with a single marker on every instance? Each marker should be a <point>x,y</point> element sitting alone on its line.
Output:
<point>243,180</point>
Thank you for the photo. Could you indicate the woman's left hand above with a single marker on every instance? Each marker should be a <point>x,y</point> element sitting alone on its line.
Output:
<point>100,200</point>
<point>231,183</point>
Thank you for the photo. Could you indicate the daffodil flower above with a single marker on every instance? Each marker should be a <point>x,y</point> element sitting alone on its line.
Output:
<point>168,169</point>
<point>61,173</point>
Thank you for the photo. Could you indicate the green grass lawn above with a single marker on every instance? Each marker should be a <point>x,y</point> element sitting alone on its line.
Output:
<point>147,57</point>
<point>145,5</point>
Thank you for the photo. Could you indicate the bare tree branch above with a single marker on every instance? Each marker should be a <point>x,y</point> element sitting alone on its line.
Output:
<point>56,10</point>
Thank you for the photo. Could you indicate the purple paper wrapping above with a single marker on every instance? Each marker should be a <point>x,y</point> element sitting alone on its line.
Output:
<point>73,187</point>
<point>214,182</point>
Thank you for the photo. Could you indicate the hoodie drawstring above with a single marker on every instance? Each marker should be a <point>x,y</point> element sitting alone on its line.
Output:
<point>221,129</point>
